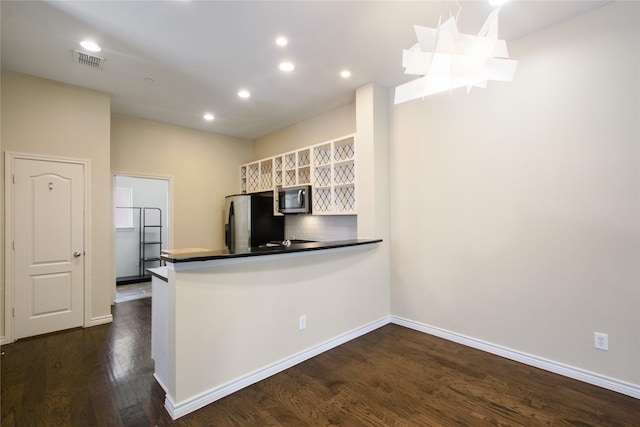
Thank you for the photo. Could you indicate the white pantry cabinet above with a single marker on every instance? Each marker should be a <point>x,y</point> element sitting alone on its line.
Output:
<point>329,167</point>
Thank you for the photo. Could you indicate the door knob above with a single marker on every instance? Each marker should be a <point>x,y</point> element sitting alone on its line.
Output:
<point>77,254</point>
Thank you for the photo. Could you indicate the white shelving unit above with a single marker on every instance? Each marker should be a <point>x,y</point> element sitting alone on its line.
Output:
<point>334,177</point>
<point>329,167</point>
<point>322,179</point>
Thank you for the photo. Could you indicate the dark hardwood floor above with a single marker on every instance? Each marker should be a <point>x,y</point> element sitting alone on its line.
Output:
<point>102,376</point>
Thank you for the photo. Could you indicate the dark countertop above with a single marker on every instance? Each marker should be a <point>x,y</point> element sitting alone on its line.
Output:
<point>206,255</point>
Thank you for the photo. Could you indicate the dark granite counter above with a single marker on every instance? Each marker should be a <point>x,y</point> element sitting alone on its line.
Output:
<point>207,255</point>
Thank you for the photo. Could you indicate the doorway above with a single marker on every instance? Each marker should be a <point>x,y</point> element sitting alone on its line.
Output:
<point>142,227</point>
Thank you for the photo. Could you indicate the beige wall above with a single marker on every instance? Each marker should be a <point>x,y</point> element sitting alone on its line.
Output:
<point>328,126</point>
<point>372,161</point>
<point>251,308</point>
<point>515,208</point>
<point>53,119</point>
<point>204,168</point>
<point>338,291</point>
<point>334,124</point>
<point>2,226</point>
<point>74,122</point>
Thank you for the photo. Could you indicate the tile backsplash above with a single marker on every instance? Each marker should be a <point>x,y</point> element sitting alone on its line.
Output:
<point>321,228</point>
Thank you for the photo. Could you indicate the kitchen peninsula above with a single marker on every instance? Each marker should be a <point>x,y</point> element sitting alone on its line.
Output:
<point>235,319</point>
<point>222,321</point>
<point>182,256</point>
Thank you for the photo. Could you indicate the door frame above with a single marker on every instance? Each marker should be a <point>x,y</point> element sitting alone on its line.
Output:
<point>9,259</point>
<point>169,180</point>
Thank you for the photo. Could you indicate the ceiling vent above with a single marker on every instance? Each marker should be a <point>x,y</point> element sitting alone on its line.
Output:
<point>87,59</point>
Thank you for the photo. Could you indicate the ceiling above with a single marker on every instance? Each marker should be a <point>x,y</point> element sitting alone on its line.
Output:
<point>172,61</point>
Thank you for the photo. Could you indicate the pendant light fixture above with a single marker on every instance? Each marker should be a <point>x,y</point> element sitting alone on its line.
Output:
<point>447,59</point>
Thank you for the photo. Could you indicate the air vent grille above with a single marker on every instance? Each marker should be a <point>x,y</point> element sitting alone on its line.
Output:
<point>89,60</point>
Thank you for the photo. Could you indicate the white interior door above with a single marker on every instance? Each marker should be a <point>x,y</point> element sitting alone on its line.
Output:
<point>49,249</point>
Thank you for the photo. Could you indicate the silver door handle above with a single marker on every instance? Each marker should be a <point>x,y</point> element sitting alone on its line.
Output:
<point>76,254</point>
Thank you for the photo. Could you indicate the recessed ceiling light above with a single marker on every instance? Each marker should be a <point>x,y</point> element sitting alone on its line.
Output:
<point>208,117</point>
<point>243,93</point>
<point>345,74</point>
<point>286,66</point>
<point>91,46</point>
<point>497,2</point>
<point>282,41</point>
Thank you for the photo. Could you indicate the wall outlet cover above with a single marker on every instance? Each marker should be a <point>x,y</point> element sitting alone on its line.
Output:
<point>601,341</point>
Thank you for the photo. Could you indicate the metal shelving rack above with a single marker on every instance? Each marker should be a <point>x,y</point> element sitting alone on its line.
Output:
<point>144,258</point>
<point>145,253</point>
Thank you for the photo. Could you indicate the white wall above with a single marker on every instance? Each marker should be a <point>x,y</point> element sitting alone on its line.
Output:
<point>515,208</point>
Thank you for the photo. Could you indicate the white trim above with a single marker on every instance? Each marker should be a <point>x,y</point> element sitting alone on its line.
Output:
<point>180,409</point>
<point>164,387</point>
<point>88,253</point>
<point>102,320</point>
<point>8,248</point>
<point>185,407</point>
<point>10,157</point>
<point>599,380</point>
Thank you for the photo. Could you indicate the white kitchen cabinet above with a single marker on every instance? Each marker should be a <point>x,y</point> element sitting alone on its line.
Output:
<point>322,174</point>
<point>334,179</point>
<point>297,169</point>
<point>257,176</point>
<point>329,167</point>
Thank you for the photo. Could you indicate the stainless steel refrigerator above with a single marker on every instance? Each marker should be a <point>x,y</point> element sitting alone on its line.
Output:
<point>249,221</point>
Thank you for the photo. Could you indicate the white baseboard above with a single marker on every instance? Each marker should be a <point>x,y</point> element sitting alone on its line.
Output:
<point>95,321</point>
<point>619,386</point>
<point>164,387</point>
<point>180,409</point>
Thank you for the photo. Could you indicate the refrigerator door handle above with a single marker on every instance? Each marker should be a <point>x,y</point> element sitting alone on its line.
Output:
<point>230,228</point>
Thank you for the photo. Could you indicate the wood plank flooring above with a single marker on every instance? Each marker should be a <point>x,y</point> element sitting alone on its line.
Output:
<point>102,376</point>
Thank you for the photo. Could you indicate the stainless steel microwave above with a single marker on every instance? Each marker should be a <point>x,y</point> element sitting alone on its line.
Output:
<point>295,200</point>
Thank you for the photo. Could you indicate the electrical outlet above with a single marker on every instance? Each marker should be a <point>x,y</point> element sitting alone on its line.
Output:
<point>302,322</point>
<point>601,341</point>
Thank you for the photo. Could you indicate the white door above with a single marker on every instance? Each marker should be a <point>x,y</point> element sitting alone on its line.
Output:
<point>48,239</point>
